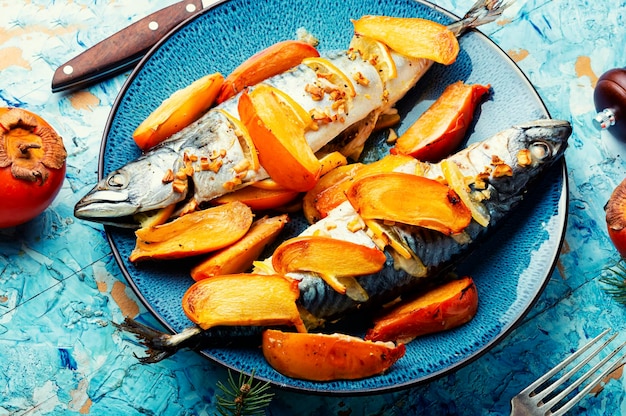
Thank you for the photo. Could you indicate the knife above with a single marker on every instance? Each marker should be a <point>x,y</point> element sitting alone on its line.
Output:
<point>125,48</point>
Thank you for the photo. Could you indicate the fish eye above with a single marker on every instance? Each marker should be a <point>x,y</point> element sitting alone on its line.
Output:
<point>540,150</point>
<point>117,180</point>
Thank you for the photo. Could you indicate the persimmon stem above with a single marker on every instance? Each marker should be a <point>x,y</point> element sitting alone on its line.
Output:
<point>24,148</point>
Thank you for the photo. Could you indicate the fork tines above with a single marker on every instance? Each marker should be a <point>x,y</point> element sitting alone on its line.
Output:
<point>544,397</point>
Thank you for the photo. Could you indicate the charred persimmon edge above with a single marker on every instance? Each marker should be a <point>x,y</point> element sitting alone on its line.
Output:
<point>444,307</point>
<point>327,357</point>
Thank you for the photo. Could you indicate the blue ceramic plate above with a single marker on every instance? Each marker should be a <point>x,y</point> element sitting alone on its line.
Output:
<point>510,270</point>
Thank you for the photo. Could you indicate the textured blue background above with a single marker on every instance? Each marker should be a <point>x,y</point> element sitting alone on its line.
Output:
<point>60,287</point>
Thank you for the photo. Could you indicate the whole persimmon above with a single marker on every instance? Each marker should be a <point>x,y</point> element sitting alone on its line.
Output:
<point>32,166</point>
<point>615,210</point>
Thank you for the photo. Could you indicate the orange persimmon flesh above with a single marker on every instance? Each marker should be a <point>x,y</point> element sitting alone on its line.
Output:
<point>238,257</point>
<point>195,233</point>
<point>277,130</point>
<point>330,191</point>
<point>178,111</point>
<point>442,127</point>
<point>259,199</point>
<point>327,357</point>
<point>335,261</point>
<point>271,61</point>
<point>411,37</point>
<point>409,199</point>
<point>243,299</point>
<point>445,307</point>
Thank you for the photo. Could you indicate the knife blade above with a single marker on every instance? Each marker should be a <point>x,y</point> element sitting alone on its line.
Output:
<point>122,50</point>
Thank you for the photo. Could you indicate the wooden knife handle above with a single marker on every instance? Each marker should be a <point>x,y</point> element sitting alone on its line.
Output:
<point>123,49</point>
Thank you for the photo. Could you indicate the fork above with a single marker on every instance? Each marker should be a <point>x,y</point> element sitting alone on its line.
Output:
<point>532,401</point>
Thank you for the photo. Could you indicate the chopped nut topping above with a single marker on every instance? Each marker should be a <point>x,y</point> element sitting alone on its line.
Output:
<point>317,94</point>
<point>331,226</point>
<point>480,181</point>
<point>339,106</point>
<point>495,160</point>
<point>214,154</point>
<point>523,158</point>
<point>360,79</point>
<point>204,163</point>
<point>188,170</point>
<point>215,166</point>
<point>232,184</point>
<point>169,176</point>
<point>356,224</point>
<point>179,186</point>
<point>502,170</point>
<point>242,166</point>
<point>320,116</point>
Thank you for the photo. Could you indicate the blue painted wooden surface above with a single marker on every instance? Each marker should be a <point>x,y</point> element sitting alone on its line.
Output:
<point>60,287</point>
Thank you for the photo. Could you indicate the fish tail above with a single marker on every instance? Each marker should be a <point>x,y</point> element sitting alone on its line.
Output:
<point>482,12</point>
<point>159,345</point>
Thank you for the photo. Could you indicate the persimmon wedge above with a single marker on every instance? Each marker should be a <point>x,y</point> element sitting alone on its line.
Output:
<point>445,307</point>
<point>412,37</point>
<point>409,199</point>
<point>195,233</point>
<point>271,61</point>
<point>238,257</point>
<point>442,127</point>
<point>330,191</point>
<point>243,300</point>
<point>327,357</point>
<point>615,216</point>
<point>335,261</point>
<point>178,111</point>
<point>277,128</point>
<point>259,199</point>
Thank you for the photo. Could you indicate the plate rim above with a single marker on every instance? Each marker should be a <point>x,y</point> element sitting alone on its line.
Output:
<point>562,214</point>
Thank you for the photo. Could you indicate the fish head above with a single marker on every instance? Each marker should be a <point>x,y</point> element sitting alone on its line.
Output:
<point>545,139</point>
<point>135,188</point>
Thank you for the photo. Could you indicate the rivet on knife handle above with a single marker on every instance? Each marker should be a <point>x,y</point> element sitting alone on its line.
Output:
<point>122,50</point>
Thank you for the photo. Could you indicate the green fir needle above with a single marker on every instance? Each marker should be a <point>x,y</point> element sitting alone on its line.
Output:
<point>614,279</point>
<point>244,397</point>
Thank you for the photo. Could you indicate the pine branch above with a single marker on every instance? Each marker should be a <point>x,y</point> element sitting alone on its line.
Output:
<point>243,398</point>
<point>614,278</point>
